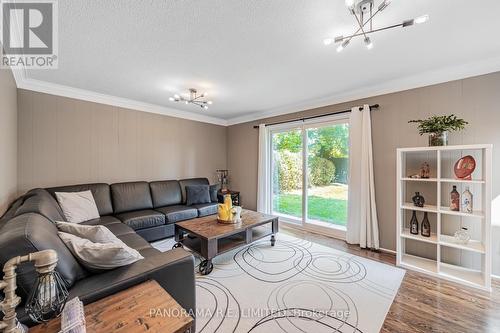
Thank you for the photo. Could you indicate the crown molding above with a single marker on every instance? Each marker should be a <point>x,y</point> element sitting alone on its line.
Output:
<point>427,78</point>
<point>92,96</point>
<point>421,80</point>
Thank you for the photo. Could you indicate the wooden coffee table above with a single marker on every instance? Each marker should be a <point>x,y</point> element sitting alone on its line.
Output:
<point>209,238</point>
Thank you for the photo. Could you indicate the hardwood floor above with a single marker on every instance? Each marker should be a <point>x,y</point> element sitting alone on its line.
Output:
<point>428,304</point>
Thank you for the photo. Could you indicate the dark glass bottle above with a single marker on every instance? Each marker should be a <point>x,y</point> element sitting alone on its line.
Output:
<point>418,200</point>
<point>454,200</point>
<point>414,224</point>
<point>426,226</point>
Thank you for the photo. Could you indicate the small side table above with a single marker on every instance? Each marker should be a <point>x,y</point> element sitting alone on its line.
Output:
<point>235,196</point>
<point>145,307</point>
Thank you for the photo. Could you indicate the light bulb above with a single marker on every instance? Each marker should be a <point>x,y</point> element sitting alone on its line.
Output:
<point>205,107</point>
<point>177,96</point>
<point>408,23</point>
<point>349,3</point>
<point>368,43</point>
<point>343,45</point>
<point>172,99</point>
<point>327,41</point>
<point>209,102</point>
<point>421,19</point>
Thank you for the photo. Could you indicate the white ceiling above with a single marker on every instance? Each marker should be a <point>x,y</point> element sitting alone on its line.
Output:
<point>262,57</point>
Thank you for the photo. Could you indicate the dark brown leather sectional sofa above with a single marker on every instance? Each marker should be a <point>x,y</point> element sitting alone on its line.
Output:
<point>136,212</point>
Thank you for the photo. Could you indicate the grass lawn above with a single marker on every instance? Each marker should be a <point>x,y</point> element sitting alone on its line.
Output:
<point>319,208</point>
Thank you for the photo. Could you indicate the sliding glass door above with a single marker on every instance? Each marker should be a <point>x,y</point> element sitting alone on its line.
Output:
<point>310,173</point>
<point>287,176</point>
<point>327,174</point>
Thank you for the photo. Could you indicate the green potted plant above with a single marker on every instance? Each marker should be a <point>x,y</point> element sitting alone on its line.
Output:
<point>438,127</point>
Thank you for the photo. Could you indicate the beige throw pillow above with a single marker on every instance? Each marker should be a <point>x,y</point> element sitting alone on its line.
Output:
<point>102,250</point>
<point>78,206</point>
<point>94,233</point>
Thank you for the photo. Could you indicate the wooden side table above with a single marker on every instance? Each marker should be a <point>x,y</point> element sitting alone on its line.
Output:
<point>235,196</point>
<point>145,307</point>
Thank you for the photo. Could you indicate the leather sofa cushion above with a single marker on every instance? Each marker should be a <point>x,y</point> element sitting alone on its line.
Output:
<point>41,202</point>
<point>113,224</point>
<point>206,209</point>
<point>30,233</point>
<point>166,193</point>
<point>103,220</point>
<point>191,181</point>
<point>142,219</point>
<point>131,196</point>
<point>135,241</point>
<point>100,192</point>
<point>157,233</point>
<point>178,213</point>
<point>125,233</point>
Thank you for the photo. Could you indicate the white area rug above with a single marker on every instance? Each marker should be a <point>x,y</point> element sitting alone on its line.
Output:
<point>295,286</point>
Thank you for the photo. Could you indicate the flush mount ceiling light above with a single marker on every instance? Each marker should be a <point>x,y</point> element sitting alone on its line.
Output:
<point>193,98</point>
<point>364,11</point>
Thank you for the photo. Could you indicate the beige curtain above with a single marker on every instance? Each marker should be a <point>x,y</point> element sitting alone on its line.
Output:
<point>362,225</point>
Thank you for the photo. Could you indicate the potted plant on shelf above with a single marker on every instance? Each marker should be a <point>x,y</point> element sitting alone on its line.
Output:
<point>438,127</point>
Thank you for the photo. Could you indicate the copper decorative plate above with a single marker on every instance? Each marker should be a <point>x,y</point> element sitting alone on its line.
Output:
<point>465,167</point>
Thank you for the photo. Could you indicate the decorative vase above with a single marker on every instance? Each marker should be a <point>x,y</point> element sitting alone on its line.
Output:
<point>438,139</point>
<point>462,236</point>
<point>418,200</point>
<point>454,200</point>
<point>426,226</point>
<point>467,201</point>
<point>414,224</point>
<point>425,170</point>
<point>464,167</point>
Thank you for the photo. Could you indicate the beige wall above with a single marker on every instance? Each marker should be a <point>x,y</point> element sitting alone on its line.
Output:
<point>65,141</point>
<point>475,99</point>
<point>8,138</point>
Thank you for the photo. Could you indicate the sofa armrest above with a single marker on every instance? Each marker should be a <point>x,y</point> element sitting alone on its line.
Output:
<point>173,270</point>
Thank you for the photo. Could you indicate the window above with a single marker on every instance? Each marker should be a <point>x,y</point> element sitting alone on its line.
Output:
<point>310,173</point>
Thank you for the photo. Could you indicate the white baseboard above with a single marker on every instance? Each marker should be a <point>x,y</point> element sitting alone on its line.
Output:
<point>387,251</point>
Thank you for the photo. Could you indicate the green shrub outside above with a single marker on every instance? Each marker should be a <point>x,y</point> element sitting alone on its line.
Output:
<point>289,169</point>
<point>322,171</point>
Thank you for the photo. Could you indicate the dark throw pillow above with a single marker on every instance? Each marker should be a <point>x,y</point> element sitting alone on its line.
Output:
<point>213,192</point>
<point>197,194</point>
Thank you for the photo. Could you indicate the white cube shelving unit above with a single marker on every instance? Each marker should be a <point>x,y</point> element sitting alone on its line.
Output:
<point>440,255</point>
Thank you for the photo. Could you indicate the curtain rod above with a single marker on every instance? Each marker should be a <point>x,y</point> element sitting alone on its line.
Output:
<point>372,107</point>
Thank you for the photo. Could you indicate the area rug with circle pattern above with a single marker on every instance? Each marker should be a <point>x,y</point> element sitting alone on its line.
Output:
<point>295,286</point>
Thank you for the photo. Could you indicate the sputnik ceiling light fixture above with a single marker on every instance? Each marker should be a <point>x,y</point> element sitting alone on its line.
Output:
<point>363,11</point>
<point>193,98</point>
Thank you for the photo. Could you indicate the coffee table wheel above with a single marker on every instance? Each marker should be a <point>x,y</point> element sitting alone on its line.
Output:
<point>206,267</point>
<point>273,240</point>
<point>177,245</point>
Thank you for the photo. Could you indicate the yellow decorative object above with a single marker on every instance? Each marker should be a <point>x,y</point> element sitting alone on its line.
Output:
<point>228,201</point>
<point>226,213</point>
